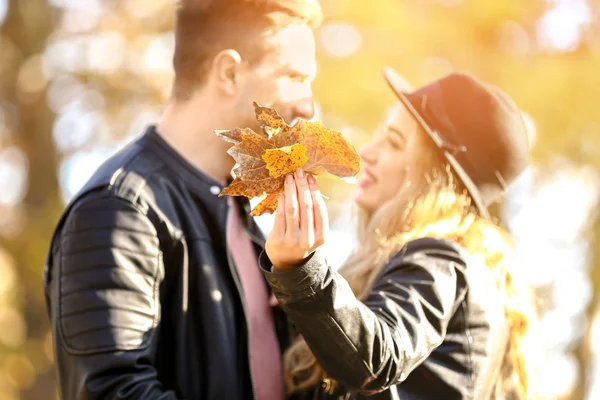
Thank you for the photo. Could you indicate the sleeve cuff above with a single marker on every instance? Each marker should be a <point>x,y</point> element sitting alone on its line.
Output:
<point>308,275</point>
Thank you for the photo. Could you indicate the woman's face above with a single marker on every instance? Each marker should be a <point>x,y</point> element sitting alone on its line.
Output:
<point>387,159</point>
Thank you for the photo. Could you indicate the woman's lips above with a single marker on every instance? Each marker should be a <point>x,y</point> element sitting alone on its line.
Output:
<point>367,179</point>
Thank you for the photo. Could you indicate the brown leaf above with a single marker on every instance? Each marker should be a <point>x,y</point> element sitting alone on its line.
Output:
<point>265,158</point>
<point>239,188</point>
<point>269,118</point>
<point>260,181</point>
<point>233,136</point>
<point>249,151</point>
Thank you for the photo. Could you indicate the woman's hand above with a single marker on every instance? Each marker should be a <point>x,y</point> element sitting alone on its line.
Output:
<point>301,222</point>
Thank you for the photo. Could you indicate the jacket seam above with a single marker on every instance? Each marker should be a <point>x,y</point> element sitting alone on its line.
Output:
<point>471,385</point>
<point>116,185</point>
<point>145,342</point>
<point>156,310</point>
<point>95,289</point>
<point>334,323</point>
<point>93,248</point>
<point>101,267</point>
<point>84,209</point>
<point>96,308</point>
<point>124,327</point>
<point>85,230</point>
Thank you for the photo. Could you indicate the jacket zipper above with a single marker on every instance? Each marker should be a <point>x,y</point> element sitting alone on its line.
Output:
<point>238,285</point>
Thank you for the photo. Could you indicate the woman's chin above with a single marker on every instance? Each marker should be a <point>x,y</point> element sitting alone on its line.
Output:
<point>361,200</point>
<point>358,196</point>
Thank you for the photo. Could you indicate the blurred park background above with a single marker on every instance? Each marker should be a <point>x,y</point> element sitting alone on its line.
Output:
<point>80,78</point>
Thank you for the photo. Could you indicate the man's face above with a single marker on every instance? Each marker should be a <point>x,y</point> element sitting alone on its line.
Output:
<point>282,79</point>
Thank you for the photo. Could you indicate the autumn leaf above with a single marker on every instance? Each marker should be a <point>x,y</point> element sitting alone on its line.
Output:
<point>268,205</point>
<point>285,160</point>
<point>239,188</point>
<point>234,136</point>
<point>266,157</point>
<point>327,150</point>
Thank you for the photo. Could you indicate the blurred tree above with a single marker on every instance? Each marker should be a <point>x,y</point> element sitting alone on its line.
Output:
<point>24,35</point>
<point>80,76</point>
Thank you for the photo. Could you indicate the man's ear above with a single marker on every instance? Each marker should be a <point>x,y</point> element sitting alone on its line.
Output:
<point>226,67</point>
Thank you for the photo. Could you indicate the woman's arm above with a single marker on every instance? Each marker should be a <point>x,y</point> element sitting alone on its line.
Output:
<point>372,345</point>
<point>366,346</point>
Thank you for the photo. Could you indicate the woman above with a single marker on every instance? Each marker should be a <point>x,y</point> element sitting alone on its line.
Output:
<point>426,306</point>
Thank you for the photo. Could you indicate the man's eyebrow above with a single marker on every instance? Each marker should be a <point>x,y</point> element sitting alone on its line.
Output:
<point>295,72</point>
<point>286,69</point>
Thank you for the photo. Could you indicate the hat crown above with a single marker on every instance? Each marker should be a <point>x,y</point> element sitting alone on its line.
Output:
<point>481,121</point>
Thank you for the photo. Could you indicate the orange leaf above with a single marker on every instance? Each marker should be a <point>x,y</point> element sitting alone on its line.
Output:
<point>238,188</point>
<point>265,158</point>
<point>268,205</point>
<point>327,150</point>
<point>269,119</point>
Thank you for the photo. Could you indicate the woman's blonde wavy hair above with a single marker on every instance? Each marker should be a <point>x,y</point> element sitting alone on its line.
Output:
<point>435,204</point>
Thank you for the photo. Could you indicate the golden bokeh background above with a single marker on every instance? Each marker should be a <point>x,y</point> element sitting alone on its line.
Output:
<point>79,78</point>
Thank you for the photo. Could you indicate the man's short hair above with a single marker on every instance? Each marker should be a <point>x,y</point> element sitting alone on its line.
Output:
<point>203,28</point>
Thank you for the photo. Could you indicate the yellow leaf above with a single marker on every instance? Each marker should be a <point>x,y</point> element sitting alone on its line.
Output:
<point>286,160</point>
<point>265,158</point>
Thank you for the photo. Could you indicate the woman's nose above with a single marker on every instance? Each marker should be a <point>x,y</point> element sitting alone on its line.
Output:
<point>367,153</point>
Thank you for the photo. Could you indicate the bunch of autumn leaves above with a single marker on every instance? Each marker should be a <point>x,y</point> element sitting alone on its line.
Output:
<point>265,158</point>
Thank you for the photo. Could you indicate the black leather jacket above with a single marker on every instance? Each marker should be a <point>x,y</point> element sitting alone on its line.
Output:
<point>145,302</point>
<point>433,326</point>
<point>143,299</point>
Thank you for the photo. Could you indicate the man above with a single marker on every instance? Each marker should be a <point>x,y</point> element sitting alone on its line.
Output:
<point>152,284</point>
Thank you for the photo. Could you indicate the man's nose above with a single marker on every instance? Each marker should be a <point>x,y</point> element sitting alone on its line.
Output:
<point>303,108</point>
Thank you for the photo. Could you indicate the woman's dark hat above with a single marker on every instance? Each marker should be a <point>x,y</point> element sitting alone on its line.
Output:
<point>478,128</point>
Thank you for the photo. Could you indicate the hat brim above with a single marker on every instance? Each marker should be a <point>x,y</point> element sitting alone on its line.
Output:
<point>400,86</point>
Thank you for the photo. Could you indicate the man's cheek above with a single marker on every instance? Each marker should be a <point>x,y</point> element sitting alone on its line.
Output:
<point>290,91</point>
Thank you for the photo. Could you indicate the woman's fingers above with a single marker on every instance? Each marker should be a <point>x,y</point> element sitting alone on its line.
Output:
<point>301,221</point>
<point>292,222</point>
<point>305,207</point>
<point>278,230</point>
<point>321,218</point>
